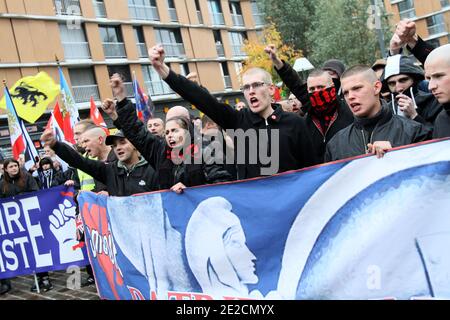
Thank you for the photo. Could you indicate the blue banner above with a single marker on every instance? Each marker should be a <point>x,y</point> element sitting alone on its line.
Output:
<point>363,228</point>
<point>38,234</point>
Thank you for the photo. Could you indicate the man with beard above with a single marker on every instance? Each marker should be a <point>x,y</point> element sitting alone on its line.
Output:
<point>327,113</point>
<point>402,77</point>
<point>375,129</point>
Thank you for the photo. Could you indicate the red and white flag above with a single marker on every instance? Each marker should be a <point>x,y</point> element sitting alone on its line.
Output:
<point>97,117</point>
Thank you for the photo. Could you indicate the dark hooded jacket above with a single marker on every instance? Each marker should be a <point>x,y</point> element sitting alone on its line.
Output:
<point>442,123</point>
<point>427,106</point>
<point>352,141</point>
<point>51,177</point>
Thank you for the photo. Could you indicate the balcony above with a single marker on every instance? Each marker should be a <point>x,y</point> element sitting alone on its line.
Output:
<point>99,8</point>
<point>436,29</point>
<point>114,50</point>
<point>67,8</point>
<point>199,17</point>
<point>227,80</point>
<point>76,50</point>
<point>220,50</point>
<point>83,93</point>
<point>173,15</point>
<point>408,14</point>
<point>238,20</point>
<point>217,19</point>
<point>142,49</point>
<point>139,12</point>
<point>237,50</point>
<point>156,88</point>
<point>259,19</point>
<point>174,50</point>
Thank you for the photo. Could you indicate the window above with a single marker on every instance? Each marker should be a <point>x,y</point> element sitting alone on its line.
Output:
<point>226,75</point>
<point>434,42</point>
<point>237,41</point>
<point>124,72</point>
<point>83,84</point>
<point>99,8</point>
<point>140,40</point>
<point>406,9</point>
<point>67,7</point>
<point>236,13</point>
<point>74,42</point>
<point>171,40</point>
<point>216,12</point>
<point>445,3</point>
<point>436,24</point>
<point>199,13</point>
<point>112,42</point>
<point>257,15</point>
<point>155,85</point>
<point>219,44</point>
<point>184,69</point>
<point>172,10</point>
<point>143,10</point>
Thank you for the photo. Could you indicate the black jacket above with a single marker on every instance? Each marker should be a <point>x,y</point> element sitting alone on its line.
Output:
<point>14,190</point>
<point>54,179</point>
<point>155,151</point>
<point>295,149</point>
<point>352,141</point>
<point>442,123</point>
<point>117,179</point>
<point>344,115</point>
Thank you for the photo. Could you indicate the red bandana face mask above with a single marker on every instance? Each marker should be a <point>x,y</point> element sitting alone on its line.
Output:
<point>323,101</point>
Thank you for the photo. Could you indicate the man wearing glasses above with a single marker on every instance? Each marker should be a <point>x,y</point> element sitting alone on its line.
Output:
<point>267,139</point>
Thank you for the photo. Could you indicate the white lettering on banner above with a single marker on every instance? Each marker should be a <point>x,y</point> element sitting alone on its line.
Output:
<point>10,255</point>
<point>12,215</point>
<point>103,244</point>
<point>21,242</point>
<point>35,231</point>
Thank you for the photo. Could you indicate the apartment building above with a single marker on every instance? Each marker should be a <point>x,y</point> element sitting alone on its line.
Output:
<point>94,39</point>
<point>432,17</point>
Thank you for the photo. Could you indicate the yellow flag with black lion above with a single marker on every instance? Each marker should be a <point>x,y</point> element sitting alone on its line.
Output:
<point>31,96</point>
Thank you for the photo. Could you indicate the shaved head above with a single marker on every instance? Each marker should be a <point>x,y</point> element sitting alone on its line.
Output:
<point>365,71</point>
<point>442,53</point>
<point>95,132</point>
<point>178,111</point>
<point>437,72</point>
<point>267,78</point>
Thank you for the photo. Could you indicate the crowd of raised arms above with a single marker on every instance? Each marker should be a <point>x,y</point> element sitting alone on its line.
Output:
<point>336,113</point>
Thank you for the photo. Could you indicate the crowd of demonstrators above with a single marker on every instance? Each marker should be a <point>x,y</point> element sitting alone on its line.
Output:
<point>174,158</point>
<point>375,128</point>
<point>294,143</point>
<point>327,113</point>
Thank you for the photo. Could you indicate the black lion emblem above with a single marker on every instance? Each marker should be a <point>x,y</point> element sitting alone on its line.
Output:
<point>28,94</point>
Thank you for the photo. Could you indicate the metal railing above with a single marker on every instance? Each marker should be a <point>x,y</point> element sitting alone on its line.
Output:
<point>114,50</point>
<point>199,17</point>
<point>174,50</point>
<point>76,50</point>
<point>67,7</point>
<point>407,14</point>
<point>237,50</point>
<point>238,20</point>
<point>220,50</point>
<point>99,7</point>
<point>140,12</point>
<point>142,49</point>
<point>227,80</point>
<point>159,87</point>
<point>84,93</point>
<point>217,18</point>
<point>173,15</point>
<point>436,29</point>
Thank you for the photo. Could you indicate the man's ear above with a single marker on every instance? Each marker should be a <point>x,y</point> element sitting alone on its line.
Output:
<point>272,89</point>
<point>377,86</point>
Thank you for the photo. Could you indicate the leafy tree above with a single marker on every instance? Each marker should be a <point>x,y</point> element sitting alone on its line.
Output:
<point>256,57</point>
